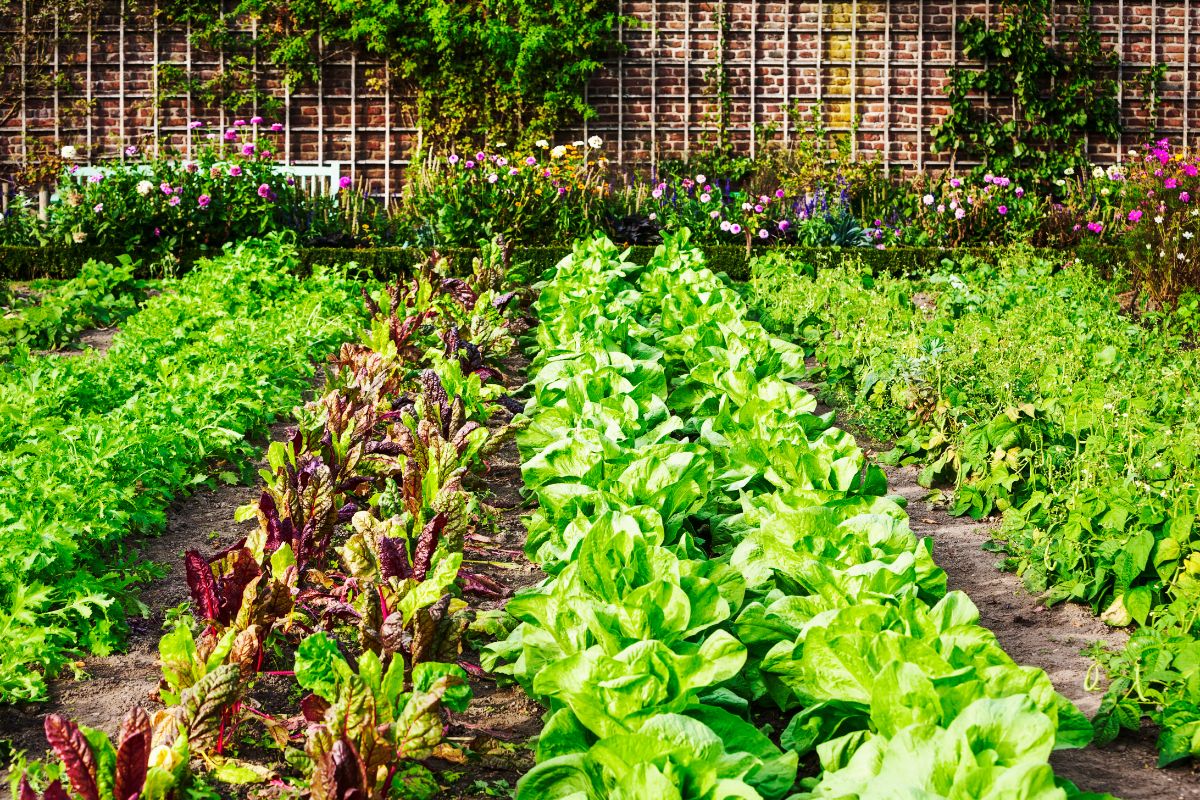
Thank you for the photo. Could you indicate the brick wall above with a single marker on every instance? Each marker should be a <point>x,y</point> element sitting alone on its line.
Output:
<point>884,64</point>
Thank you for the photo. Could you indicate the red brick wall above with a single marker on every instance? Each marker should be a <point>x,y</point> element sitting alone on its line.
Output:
<point>882,63</point>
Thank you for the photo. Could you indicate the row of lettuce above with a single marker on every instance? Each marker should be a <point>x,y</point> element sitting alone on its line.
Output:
<point>716,552</point>
<point>1020,388</point>
<point>353,581</point>
<point>94,448</point>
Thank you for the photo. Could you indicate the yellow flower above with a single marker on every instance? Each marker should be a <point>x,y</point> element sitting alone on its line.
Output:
<point>162,757</point>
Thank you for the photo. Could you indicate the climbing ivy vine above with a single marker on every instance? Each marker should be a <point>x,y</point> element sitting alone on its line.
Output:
<point>478,69</point>
<point>1036,94</point>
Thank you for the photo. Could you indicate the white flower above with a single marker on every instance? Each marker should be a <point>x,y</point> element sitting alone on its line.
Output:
<point>558,152</point>
<point>927,199</point>
<point>704,198</point>
<point>68,152</point>
<point>1106,191</point>
<point>501,144</point>
<point>653,216</point>
<point>746,206</point>
<point>701,179</point>
<point>595,142</point>
<point>542,143</point>
<point>1060,182</point>
<point>1069,171</point>
<point>1133,153</point>
<point>1113,172</point>
<point>579,142</point>
<point>1158,220</point>
<point>1188,234</point>
<point>1097,172</point>
<point>79,236</point>
<point>1180,256</point>
<point>144,188</point>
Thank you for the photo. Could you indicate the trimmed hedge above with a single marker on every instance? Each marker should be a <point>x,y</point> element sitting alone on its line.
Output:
<point>27,263</point>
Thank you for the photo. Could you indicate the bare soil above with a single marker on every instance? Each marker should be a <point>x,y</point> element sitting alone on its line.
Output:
<point>1052,638</point>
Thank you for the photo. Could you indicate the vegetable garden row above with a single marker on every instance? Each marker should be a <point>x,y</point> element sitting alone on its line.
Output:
<point>733,607</point>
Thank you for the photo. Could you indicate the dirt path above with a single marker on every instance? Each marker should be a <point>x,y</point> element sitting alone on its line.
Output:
<point>114,684</point>
<point>1050,638</point>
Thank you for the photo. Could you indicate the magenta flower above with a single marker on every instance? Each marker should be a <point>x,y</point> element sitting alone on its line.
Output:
<point>531,162</point>
<point>1095,227</point>
<point>230,135</point>
<point>344,182</point>
<point>1170,183</point>
<point>513,171</point>
<point>264,190</point>
<point>174,201</point>
<point>238,123</point>
<point>1184,197</point>
<point>784,225</point>
<point>779,193</point>
<point>1190,170</point>
<point>195,124</point>
<point>480,156</point>
<point>955,183</point>
<point>158,231</point>
<point>248,149</point>
<point>758,209</point>
<point>166,187</point>
<point>561,191</point>
<point>95,178</point>
<point>1002,210</point>
<point>131,151</point>
<point>1019,192</point>
<point>735,228</point>
<point>256,120</point>
<point>203,201</point>
<point>1135,215</point>
<point>264,154</point>
<point>235,171</point>
<point>468,164</point>
<point>277,126</point>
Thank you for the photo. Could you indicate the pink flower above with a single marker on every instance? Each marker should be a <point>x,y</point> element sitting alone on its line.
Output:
<point>784,225</point>
<point>735,228</point>
<point>1170,183</point>
<point>453,159</point>
<point>248,149</point>
<point>530,161</point>
<point>344,182</point>
<point>166,187</point>
<point>1135,215</point>
<point>239,123</point>
<point>174,201</point>
<point>513,171</point>
<point>492,177</point>
<point>264,190</point>
<point>955,183</point>
<point>131,151</point>
<point>203,201</point>
<point>714,214</point>
<point>704,198</point>
<point>762,233</point>
<point>230,135</point>
<point>1095,227</point>
<point>96,209</point>
<point>1002,210</point>
<point>480,156</point>
<point>195,124</point>
<point>264,154</point>
<point>256,120</point>
<point>235,171</point>
<point>277,126</point>
<point>758,209</point>
<point>1184,197</point>
<point>1190,170</point>
<point>469,164</point>
<point>1019,192</point>
<point>95,178</point>
<point>561,191</point>
<point>779,193</point>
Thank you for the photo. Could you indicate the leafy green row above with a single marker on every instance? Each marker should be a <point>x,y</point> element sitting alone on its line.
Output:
<point>1025,389</point>
<point>101,295</point>
<point>112,440</point>
<point>714,548</point>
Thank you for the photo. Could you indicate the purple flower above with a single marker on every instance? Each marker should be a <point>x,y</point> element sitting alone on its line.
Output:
<point>165,187</point>
<point>1019,192</point>
<point>158,231</point>
<point>248,149</point>
<point>1002,210</point>
<point>784,225</point>
<point>453,159</point>
<point>174,201</point>
<point>277,126</point>
<point>264,190</point>
<point>291,181</point>
<point>238,123</point>
<point>513,171</point>
<point>131,151</point>
<point>203,201</point>
<point>343,182</point>
<point>235,171</point>
<point>955,183</point>
<point>256,120</point>
<point>531,162</point>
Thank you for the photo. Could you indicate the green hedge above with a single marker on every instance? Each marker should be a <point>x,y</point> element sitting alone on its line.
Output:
<point>26,263</point>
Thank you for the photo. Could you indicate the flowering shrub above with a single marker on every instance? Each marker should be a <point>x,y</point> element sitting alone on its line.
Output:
<point>1161,222</point>
<point>160,207</point>
<point>540,196</point>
